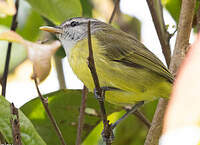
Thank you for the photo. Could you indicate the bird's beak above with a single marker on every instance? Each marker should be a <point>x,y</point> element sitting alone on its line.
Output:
<point>51,29</point>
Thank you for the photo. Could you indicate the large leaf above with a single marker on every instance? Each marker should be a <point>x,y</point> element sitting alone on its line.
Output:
<point>30,29</point>
<point>64,105</point>
<point>28,133</point>
<point>57,10</point>
<point>130,131</point>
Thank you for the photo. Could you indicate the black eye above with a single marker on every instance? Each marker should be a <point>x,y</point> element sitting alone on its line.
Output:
<point>74,23</point>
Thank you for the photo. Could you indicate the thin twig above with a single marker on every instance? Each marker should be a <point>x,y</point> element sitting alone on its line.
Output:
<point>114,11</point>
<point>143,118</point>
<point>182,43</point>
<point>107,127</point>
<point>156,10</point>
<point>52,119</point>
<point>81,116</point>
<point>15,125</point>
<point>6,67</point>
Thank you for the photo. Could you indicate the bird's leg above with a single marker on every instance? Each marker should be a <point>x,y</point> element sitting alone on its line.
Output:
<point>133,109</point>
<point>104,89</point>
<point>110,137</point>
<point>110,127</point>
<point>107,133</point>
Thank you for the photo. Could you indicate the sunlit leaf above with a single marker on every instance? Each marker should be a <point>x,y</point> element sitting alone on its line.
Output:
<point>7,7</point>
<point>28,133</point>
<point>131,131</point>
<point>64,105</point>
<point>39,54</point>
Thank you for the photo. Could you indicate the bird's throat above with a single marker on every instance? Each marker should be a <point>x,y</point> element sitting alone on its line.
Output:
<point>68,45</point>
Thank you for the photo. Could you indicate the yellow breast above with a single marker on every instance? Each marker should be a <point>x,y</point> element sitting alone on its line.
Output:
<point>135,87</point>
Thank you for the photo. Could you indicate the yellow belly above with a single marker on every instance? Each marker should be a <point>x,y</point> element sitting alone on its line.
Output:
<point>135,84</point>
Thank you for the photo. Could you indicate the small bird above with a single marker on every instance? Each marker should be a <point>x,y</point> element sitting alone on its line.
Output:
<point>123,63</point>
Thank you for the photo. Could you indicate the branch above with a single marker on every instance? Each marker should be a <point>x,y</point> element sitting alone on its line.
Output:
<point>183,34</point>
<point>157,123</point>
<point>6,67</point>
<point>114,11</point>
<point>156,10</point>
<point>81,116</point>
<point>45,104</point>
<point>182,43</point>
<point>142,118</point>
<point>99,91</point>
<point>15,125</point>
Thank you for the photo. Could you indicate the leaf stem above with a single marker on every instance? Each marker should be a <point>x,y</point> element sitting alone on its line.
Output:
<point>114,11</point>
<point>156,10</point>
<point>82,115</point>
<point>52,119</point>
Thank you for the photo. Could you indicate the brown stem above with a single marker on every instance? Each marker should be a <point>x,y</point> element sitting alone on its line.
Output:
<point>45,104</point>
<point>156,10</point>
<point>182,42</point>
<point>6,67</point>
<point>101,94</point>
<point>183,34</point>
<point>142,118</point>
<point>114,11</point>
<point>15,125</point>
<point>81,116</point>
<point>157,123</point>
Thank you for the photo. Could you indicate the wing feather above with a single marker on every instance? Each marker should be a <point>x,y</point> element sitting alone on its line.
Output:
<point>124,48</point>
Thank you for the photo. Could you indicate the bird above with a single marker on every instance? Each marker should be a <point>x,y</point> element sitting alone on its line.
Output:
<point>130,72</point>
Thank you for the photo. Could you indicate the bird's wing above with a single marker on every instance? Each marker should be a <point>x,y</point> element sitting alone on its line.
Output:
<point>123,48</point>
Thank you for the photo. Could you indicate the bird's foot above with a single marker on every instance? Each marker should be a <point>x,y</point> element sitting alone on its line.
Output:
<point>107,133</point>
<point>104,89</point>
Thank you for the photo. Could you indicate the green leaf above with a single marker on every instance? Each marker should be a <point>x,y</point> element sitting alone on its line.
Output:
<point>28,133</point>
<point>87,8</point>
<point>18,53</point>
<point>61,52</point>
<point>174,8</point>
<point>131,131</point>
<point>57,10</point>
<point>64,105</point>
<point>95,138</point>
<point>30,30</point>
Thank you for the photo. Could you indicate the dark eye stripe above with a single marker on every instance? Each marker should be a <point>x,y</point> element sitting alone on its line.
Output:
<point>74,23</point>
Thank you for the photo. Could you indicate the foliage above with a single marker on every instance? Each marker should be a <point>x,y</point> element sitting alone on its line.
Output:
<point>64,105</point>
<point>28,133</point>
